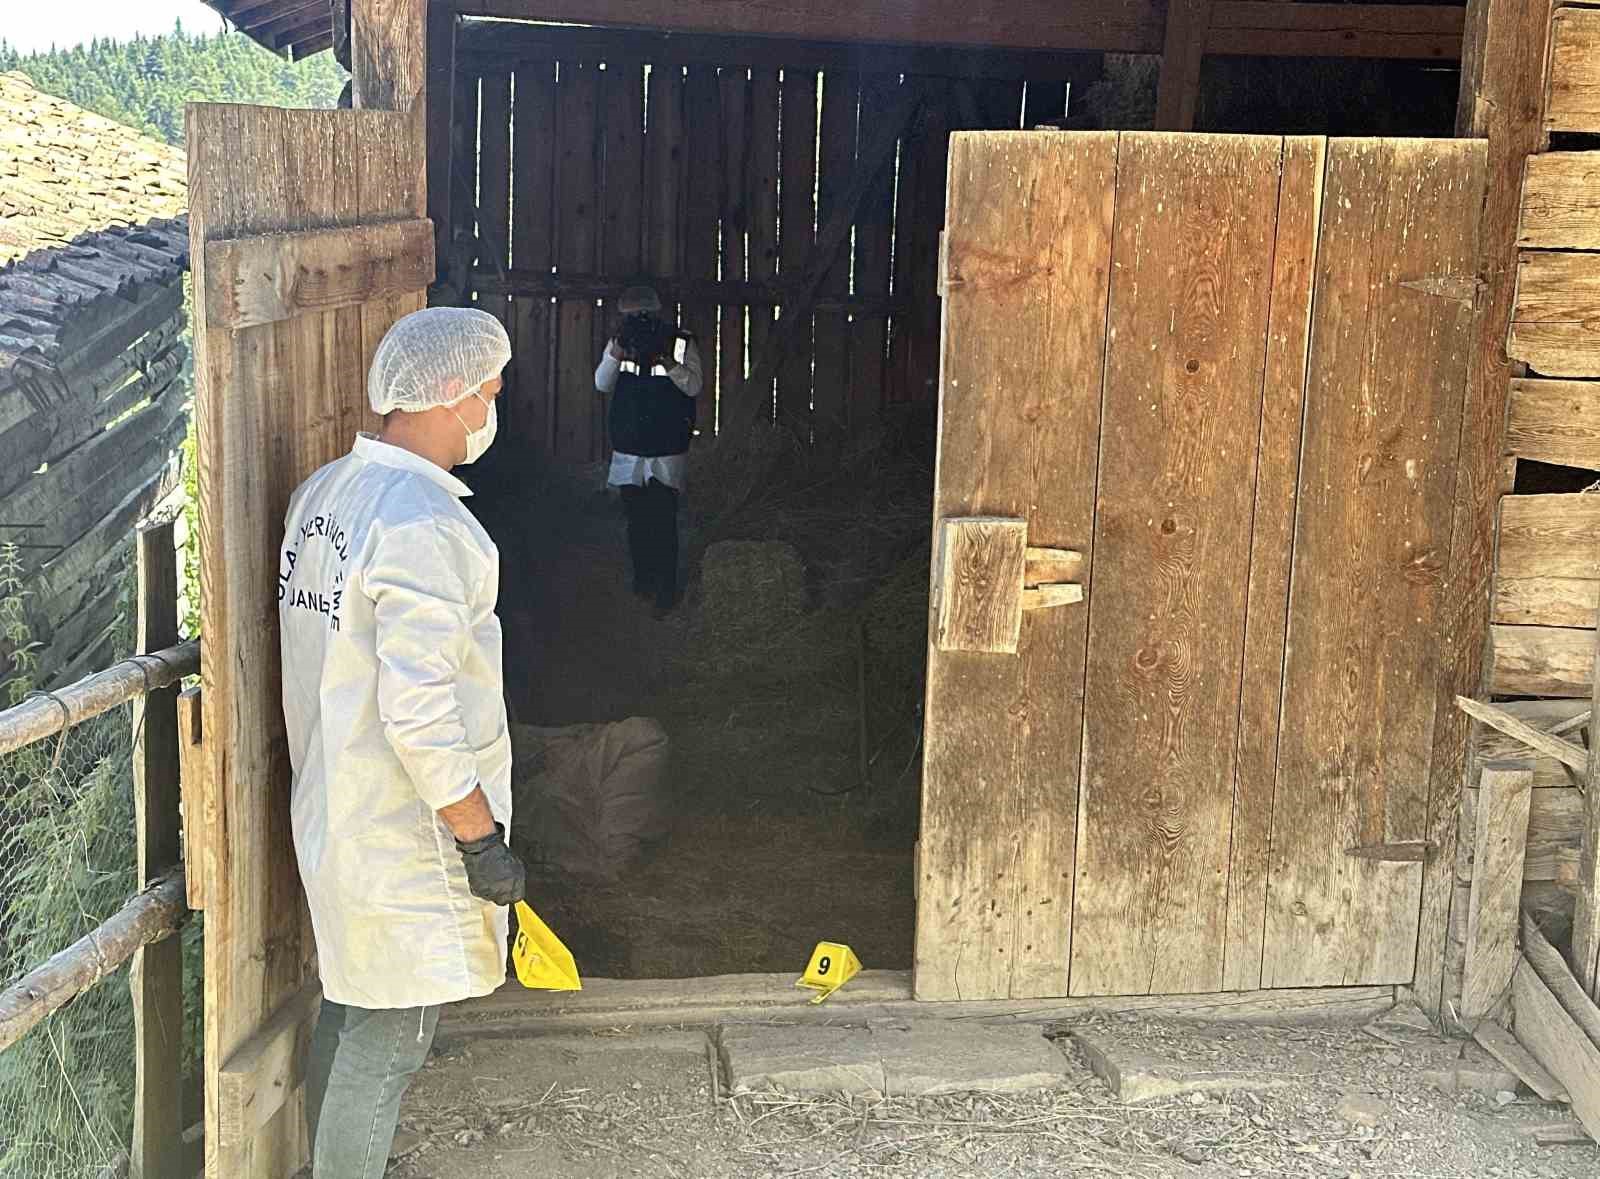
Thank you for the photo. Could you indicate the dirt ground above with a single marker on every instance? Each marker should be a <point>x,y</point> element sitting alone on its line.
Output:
<point>626,1102</point>
<point>775,844</point>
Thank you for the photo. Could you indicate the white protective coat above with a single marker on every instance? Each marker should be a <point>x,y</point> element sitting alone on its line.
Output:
<point>392,694</point>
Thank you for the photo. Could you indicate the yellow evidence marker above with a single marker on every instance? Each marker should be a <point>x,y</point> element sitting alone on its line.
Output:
<point>542,962</point>
<point>832,965</point>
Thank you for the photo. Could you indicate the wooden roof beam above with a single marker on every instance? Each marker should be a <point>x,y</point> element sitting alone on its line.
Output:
<point>296,23</point>
<point>1251,27</point>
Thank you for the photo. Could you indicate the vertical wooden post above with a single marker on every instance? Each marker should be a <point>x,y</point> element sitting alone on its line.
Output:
<point>156,975</point>
<point>1505,792</point>
<point>1502,99</point>
<point>1178,86</point>
<point>388,53</point>
<point>441,86</point>
<point>1586,919</point>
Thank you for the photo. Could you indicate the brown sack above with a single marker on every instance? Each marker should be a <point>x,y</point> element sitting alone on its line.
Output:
<point>588,798</point>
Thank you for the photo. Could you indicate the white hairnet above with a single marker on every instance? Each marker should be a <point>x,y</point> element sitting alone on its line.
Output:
<point>425,351</point>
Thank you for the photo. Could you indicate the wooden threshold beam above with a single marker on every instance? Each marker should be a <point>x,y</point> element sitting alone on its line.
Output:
<point>1255,27</point>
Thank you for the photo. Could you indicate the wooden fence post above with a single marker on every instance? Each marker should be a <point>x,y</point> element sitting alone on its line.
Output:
<point>156,974</point>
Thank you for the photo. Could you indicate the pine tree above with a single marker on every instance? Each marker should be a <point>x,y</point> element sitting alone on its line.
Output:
<point>146,82</point>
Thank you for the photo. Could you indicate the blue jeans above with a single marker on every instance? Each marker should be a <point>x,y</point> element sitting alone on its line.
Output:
<point>361,1064</point>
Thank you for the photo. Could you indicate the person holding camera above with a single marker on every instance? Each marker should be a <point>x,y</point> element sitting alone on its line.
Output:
<point>651,422</point>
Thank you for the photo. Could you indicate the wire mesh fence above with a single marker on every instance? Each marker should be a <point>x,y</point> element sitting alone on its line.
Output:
<point>68,861</point>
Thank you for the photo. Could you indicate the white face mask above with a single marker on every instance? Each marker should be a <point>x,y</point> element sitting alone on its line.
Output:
<point>478,440</point>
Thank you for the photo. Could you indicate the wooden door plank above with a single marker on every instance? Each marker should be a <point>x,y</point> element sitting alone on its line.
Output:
<point>273,402</point>
<point>1299,219</point>
<point>799,230</point>
<point>1540,661</point>
<point>1192,270</point>
<point>1549,536</point>
<point>841,94</point>
<point>1383,419</point>
<point>577,425</point>
<point>1029,257</point>
<point>734,88</point>
<point>1553,325</point>
<point>622,163</point>
<point>1545,1029</point>
<point>1555,422</point>
<point>1561,201</point>
<point>155,975</point>
<point>1494,910</point>
<point>1555,829</point>
<point>260,280</point>
<point>494,184</point>
<point>532,395</point>
<point>1503,1046</point>
<point>761,206</point>
<point>917,229</point>
<point>1574,101</point>
<point>1503,54</point>
<point>873,236</point>
<point>702,228</point>
<point>664,179</point>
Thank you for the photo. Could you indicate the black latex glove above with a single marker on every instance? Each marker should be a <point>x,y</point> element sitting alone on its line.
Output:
<point>494,873</point>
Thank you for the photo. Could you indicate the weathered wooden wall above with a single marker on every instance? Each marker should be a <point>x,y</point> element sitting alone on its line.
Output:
<point>92,415</point>
<point>1546,581</point>
<point>1230,372</point>
<point>711,168</point>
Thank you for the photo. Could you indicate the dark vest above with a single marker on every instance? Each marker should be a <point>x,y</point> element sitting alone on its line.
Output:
<point>650,416</point>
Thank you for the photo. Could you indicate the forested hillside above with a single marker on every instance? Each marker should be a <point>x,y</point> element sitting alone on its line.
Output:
<point>145,82</point>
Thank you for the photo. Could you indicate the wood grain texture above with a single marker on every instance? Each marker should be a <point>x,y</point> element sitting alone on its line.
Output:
<point>1299,218</point>
<point>1555,828</point>
<point>577,412</point>
<point>1192,273</point>
<point>1555,327</point>
<point>734,91</point>
<point>1541,661</point>
<point>1549,536</point>
<point>1029,247</point>
<point>872,246</point>
<point>1561,201</point>
<point>1503,1046</point>
<point>266,1069</point>
<point>1183,45</point>
<point>702,231</point>
<point>156,974</point>
<point>1537,740</point>
<point>1554,972</point>
<point>1545,1029</point>
<point>761,204</point>
<point>1574,102</point>
<point>1586,915</point>
<point>1546,601</point>
<point>663,173</point>
<point>622,162</point>
<point>836,147</point>
<point>273,403</point>
<point>1495,906</point>
<point>1501,99</point>
<point>532,394</point>
<point>1412,31</point>
<point>191,773</point>
<point>388,55</point>
<point>979,584</point>
<point>1378,478</point>
<point>260,280</point>
<point>1555,422</point>
<point>798,228</point>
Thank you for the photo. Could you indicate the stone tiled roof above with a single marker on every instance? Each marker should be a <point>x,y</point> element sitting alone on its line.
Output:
<point>65,171</point>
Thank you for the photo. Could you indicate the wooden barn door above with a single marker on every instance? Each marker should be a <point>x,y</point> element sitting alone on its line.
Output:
<point>308,241</point>
<point>1211,386</point>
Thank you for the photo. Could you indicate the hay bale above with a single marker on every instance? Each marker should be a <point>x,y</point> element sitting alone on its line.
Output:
<point>751,585</point>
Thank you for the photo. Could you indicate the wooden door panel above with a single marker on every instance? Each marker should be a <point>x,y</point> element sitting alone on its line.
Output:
<point>1390,334</point>
<point>1027,259</point>
<point>1192,264</point>
<point>273,402</point>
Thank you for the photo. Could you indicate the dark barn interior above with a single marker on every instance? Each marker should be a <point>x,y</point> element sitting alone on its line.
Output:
<point>785,197</point>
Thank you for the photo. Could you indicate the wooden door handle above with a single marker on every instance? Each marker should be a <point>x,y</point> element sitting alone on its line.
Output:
<point>986,577</point>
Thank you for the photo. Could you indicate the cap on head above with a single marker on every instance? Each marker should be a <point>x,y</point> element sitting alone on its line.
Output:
<point>639,301</point>
<point>436,356</point>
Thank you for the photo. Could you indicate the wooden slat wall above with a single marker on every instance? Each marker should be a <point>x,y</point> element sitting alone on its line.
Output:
<point>612,160</point>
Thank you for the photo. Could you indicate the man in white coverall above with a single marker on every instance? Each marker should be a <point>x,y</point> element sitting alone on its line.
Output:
<point>397,730</point>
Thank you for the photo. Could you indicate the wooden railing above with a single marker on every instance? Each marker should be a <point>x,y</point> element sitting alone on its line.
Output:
<point>141,930</point>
